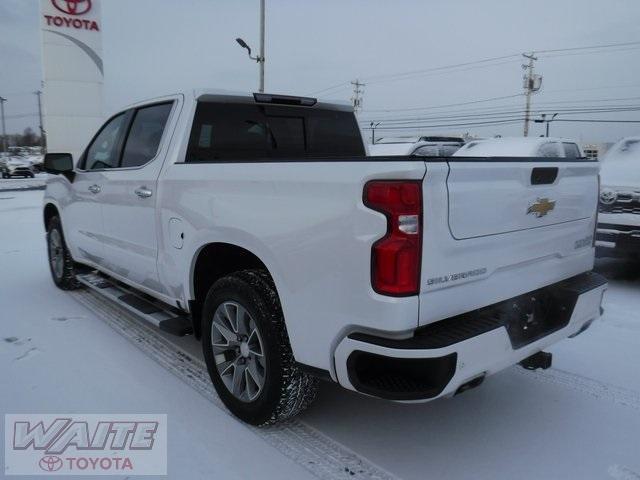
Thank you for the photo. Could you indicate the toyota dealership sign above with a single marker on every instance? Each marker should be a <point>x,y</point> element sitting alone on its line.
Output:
<point>73,72</point>
<point>70,14</point>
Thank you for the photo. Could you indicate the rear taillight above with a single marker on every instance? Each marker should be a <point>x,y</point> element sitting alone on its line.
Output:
<point>396,257</point>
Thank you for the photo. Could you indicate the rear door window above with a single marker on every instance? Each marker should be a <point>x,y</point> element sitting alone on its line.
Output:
<point>245,131</point>
<point>145,134</point>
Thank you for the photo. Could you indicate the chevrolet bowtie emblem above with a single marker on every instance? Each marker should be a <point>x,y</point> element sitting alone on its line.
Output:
<point>541,207</point>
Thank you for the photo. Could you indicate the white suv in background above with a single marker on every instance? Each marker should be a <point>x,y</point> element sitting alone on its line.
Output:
<point>521,147</point>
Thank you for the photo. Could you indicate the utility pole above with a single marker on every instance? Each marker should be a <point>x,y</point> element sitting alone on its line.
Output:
<point>357,95</point>
<point>529,88</point>
<point>373,126</point>
<point>4,128</point>
<point>43,141</point>
<point>261,57</point>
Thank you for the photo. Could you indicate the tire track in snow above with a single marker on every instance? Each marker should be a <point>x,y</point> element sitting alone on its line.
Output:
<point>589,386</point>
<point>320,455</point>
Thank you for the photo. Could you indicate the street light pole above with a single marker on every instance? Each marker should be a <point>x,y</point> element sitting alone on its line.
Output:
<point>547,122</point>
<point>260,57</point>
<point>373,132</point>
<point>4,128</point>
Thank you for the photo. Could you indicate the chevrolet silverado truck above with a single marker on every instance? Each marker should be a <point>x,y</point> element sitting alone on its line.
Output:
<point>618,232</point>
<point>258,224</point>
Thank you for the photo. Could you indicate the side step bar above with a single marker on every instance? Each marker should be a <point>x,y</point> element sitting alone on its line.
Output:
<point>164,317</point>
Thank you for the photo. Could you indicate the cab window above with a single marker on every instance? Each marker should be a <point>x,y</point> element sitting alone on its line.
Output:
<point>103,151</point>
<point>571,150</point>
<point>550,149</point>
<point>145,134</point>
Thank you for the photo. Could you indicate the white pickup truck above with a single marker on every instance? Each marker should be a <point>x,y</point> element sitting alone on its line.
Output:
<point>258,223</point>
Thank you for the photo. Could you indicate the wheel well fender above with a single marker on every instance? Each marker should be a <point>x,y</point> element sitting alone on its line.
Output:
<point>212,262</point>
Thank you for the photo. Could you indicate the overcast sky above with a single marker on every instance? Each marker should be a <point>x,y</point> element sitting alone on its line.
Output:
<point>158,46</point>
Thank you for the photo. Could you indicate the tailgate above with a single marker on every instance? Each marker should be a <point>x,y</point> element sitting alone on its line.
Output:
<point>495,229</point>
<point>493,198</point>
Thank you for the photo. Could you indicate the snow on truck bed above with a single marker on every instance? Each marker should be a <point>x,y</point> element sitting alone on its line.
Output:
<point>72,352</point>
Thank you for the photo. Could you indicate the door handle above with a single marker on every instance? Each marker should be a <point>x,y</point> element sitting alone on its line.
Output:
<point>94,188</point>
<point>143,192</point>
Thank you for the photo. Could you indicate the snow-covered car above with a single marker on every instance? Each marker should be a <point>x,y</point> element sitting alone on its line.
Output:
<point>16,166</point>
<point>428,148</point>
<point>257,223</point>
<point>521,147</point>
<point>618,232</point>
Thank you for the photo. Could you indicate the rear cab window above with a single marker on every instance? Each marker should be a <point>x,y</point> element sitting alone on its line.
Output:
<point>571,150</point>
<point>244,131</point>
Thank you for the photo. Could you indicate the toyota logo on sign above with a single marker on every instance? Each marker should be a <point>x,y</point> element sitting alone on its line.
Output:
<point>72,7</point>
<point>50,463</point>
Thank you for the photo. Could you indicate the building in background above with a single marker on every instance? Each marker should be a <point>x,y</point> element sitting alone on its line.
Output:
<point>72,100</point>
<point>595,151</point>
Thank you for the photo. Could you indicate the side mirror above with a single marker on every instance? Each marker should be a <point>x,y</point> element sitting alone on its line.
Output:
<point>57,163</point>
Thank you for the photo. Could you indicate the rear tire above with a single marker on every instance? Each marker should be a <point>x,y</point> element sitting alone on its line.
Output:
<point>251,364</point>
<point>60,262</point>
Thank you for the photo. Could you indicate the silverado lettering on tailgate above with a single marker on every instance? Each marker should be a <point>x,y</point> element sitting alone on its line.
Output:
<point>454,277</point>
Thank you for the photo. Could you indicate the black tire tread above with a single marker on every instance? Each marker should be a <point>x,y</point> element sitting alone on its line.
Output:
<point>68,280</point>
<point>298,389</point>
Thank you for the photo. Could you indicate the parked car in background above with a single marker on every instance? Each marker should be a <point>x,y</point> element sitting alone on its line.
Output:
<point>618,233</point>
<point>422,148</point>
<point>521,147</point>
<point>16,166</point>
<point>33,155</point>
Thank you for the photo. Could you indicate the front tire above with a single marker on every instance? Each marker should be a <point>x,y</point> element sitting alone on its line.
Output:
<point>247,351</point>
<point>60,262</point>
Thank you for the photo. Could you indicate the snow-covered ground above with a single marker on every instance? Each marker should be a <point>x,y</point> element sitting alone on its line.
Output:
<point>72,352</point>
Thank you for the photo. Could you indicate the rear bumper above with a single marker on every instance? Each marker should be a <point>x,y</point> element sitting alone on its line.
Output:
<point>442,357</point>
<point>614,240</point>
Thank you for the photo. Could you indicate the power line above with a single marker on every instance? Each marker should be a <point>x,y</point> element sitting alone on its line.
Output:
<point>595,120</point>
<point>445,105</point>
<point>560,103</point>
<point>400,75</point>
<point>339,85</point>
<point>610,45</point>
<point>459,124</point>
<point>506,114</point>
